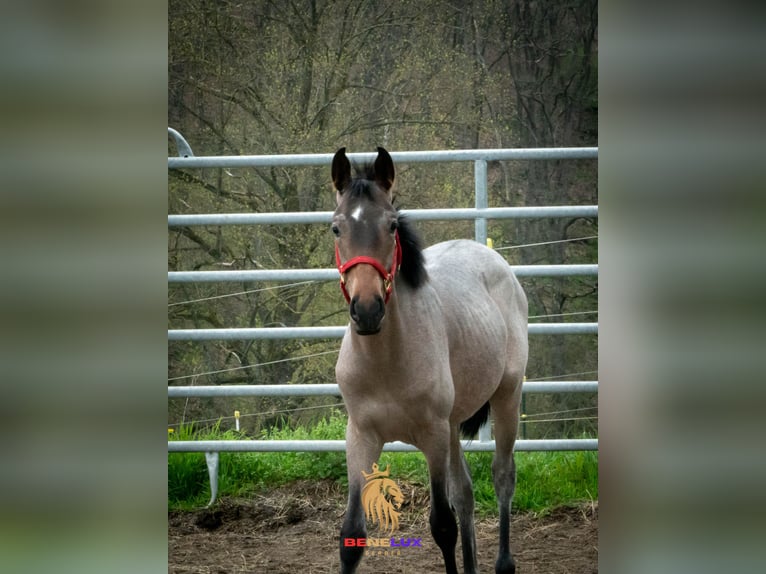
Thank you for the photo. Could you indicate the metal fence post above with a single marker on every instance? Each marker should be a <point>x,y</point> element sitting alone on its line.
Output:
<point>183,147</point>
<point>480,190</point>
<point>211,457</point>
<point>481,202</point>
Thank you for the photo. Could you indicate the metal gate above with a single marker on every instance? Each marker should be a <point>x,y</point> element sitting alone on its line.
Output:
<point>480,214</point>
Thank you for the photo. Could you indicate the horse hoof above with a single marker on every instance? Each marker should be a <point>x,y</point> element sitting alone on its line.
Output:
<point>505,565</point>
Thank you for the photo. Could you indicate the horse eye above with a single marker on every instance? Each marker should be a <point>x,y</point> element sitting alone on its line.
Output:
<point>335,230</point>
<point>394,225</point>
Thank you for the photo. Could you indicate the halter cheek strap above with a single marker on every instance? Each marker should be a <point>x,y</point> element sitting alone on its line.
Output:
<point>387,275</point>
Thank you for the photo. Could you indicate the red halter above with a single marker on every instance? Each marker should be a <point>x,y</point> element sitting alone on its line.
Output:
<point>388,276</point>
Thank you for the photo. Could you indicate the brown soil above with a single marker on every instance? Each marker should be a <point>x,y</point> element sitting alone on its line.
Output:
<point>294,529</point>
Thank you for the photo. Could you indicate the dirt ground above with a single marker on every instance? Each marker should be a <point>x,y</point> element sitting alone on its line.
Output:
<point>294,529</point>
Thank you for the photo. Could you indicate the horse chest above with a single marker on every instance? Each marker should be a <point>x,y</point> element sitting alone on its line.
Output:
<point>395,406</point>
<point>393,420</point>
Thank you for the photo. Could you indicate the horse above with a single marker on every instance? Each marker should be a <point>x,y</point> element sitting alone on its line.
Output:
<point>437,339</point>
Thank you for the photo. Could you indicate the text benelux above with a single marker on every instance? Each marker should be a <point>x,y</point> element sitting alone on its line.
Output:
<point>384,542</point>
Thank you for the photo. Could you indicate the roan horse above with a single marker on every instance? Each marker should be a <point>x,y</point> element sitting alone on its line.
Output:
<point>436,338</point>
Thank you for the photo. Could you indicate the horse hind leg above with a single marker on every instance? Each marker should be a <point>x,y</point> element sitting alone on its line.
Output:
<point>505,408</point>
<point>461,496</point>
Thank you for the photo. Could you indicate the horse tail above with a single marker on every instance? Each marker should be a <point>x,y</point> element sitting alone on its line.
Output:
<point>470,427</point>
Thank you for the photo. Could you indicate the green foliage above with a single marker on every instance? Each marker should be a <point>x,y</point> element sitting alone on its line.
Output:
<point>544,479</point>
<point>241,474</point>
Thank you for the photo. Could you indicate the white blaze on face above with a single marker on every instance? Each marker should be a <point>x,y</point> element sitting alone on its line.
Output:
<point>357,213</point>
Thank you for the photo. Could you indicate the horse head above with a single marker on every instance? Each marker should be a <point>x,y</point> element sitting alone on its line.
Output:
<point>367,247</point>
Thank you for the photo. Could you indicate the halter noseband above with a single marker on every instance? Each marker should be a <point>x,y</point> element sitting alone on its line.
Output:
<point>388,276</point>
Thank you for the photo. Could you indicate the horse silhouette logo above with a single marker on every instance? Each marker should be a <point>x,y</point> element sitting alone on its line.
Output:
<point>381,499</point>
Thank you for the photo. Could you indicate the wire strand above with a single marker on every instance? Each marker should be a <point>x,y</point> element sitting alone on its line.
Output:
<point>546,243</point>
<point>562,376</point>
<point>525,421</point>
<point>255,414</point>
<point>563,314</point>
<point>253,366</point>
<point>242,293</point>
<point>559,412</point>
<point>557,420</point>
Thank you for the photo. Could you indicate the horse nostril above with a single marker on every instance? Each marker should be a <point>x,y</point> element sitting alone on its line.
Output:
<point>352,309</point>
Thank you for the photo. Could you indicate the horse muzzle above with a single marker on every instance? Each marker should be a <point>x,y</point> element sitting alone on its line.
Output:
<point>367,315</point>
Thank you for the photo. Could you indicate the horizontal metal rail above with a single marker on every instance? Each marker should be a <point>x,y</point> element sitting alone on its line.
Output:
<point>305,217</point>
<point>398,156</point>
<point>312,390</point>
<point>251,275</point>
<point>340,445</point>
<point>272,333</point>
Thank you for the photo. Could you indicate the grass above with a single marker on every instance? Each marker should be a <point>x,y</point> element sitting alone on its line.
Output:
<point>545,480</point>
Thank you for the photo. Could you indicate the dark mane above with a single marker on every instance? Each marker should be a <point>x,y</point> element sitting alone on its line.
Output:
<point>413,269</point>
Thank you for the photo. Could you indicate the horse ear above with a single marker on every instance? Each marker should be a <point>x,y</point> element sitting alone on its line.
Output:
<point>384,169</point>
<point>341,171</point>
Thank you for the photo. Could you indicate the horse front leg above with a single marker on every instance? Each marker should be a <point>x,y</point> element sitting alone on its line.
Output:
<point>442,519</point>
<point>362,450</point>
